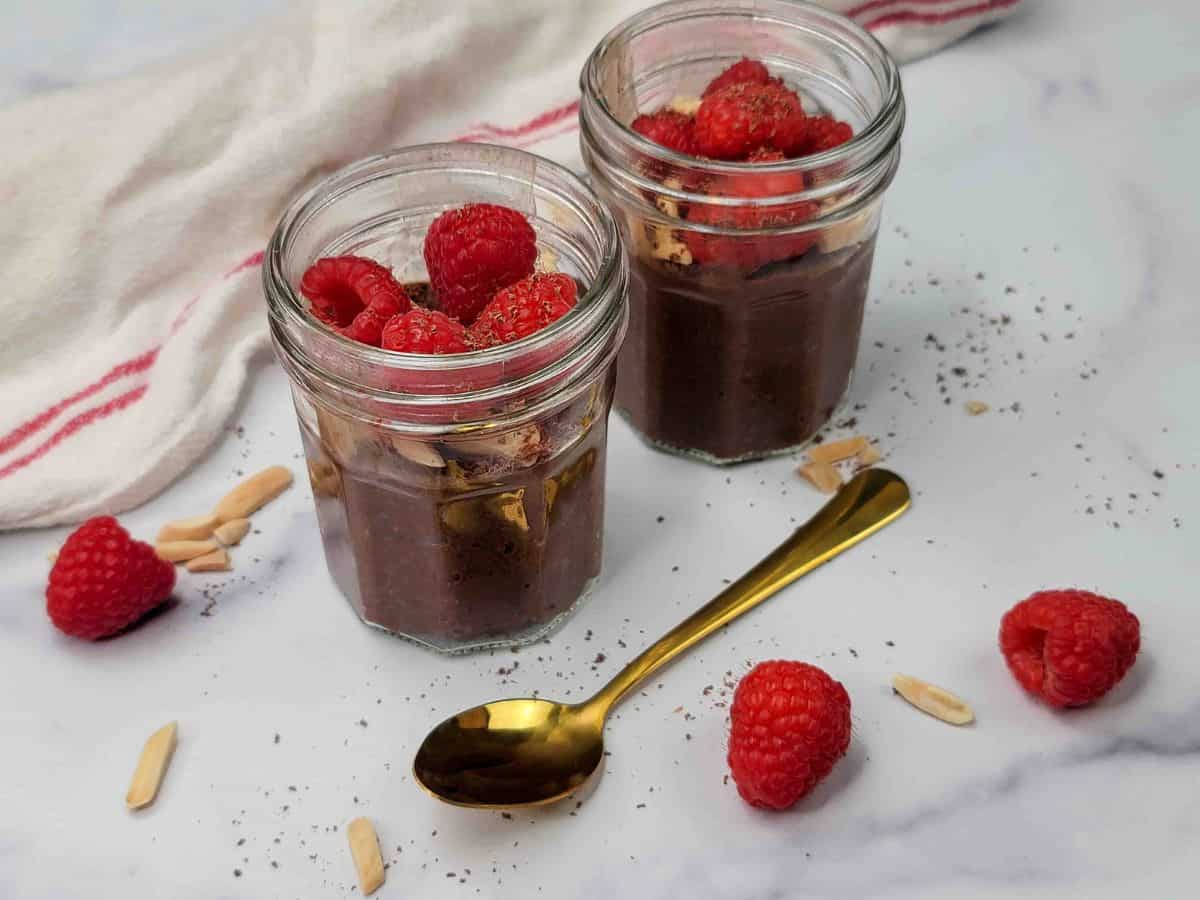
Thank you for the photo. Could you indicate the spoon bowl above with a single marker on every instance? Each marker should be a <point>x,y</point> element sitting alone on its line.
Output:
<point>528,752</point>
<point>521,752</point>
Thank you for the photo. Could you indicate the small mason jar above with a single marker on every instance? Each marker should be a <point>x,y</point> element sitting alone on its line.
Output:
<point>743,334</point>
<point>460,497</point>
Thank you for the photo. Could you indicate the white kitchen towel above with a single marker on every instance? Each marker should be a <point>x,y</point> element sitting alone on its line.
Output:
<point>136,210</point>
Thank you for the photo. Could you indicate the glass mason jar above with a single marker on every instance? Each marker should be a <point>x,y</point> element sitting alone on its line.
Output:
<point>461,497</point>
<point>743,336</point>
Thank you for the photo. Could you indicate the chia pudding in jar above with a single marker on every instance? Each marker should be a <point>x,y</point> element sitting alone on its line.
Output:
<point>449,316</point>
<point>744,151</point>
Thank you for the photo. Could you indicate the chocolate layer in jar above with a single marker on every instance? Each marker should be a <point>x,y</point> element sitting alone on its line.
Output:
<point>457,543</point>
<point>733,365</point>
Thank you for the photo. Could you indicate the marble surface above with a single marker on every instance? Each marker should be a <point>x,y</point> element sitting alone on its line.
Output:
<point>1034,256</point>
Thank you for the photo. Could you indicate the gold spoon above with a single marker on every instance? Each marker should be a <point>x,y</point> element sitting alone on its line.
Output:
<point>531,751</point>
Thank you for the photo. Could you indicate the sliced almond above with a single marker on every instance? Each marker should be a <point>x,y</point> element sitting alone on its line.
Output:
<point>197,528</point>
<point>976,407</point>
<point>929,698</point>
<point>217,561</point>
<point>822,475</point>
<point>547,260</point>
<point>521,443</point>
<point>848,232</point>
<point>685,105</point>
<point>253,493</point>
<point>364,848</point>
<point>836,451</point>
<point>231,533</point>
<point>666,245</point>
<point>420,452</point>
<point>182,551</point>
<point>151,767</point>
<point>868,455</point>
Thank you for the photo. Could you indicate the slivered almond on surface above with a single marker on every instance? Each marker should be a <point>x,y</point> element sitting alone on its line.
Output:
<point>868,455</point>
<point>976,407</point>
<point>821,475</point>
<point>151,767</point>
<point>182,551</point>
<point>836,451</point>
<point>197,528</point>
<point>231,533</point>
<point>364,848</point>
<point>217,561</point>
<point>253,493</point>
<point>929,698</point>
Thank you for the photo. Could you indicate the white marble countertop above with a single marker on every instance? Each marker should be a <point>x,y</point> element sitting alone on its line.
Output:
<point>1040,230</point>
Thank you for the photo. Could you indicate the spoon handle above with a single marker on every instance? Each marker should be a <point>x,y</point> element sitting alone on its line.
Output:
<point>865,504</point>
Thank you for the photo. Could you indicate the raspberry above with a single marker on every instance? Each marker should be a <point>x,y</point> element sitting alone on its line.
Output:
<point>789,725</point>
<point>425,331</point>
<point>367,328</point>
<point>339,288</point>
<point>1069,647</point>
<point>103,581</point>
<point>474,251</point>
<point>524,308</point>
<point>668,128</point>
<point>744,71</point>
<point>752,251</point>
<point>824,133</point>
<point>741,118</point>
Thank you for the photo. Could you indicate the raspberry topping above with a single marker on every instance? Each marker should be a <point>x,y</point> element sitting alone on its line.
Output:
<point>103,581</point>
<point>789,725</point>
<point>741,118</point>
<point>425,331</point>
<point>824,133</point>
<point>1069,647</point>
<point>744,71</point>
<point>668,128</point>
<point>523,308</point>
<point>474,251</point>
<point>339,288</point>
<point>752,251</point>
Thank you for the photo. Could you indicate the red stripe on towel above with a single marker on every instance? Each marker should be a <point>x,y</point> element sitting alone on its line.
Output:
<point>908,16</point>
<point>78,423</point>
<point>132,366</point>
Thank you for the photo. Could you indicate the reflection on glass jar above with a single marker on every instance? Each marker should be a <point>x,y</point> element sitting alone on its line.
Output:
<point>460,498</point>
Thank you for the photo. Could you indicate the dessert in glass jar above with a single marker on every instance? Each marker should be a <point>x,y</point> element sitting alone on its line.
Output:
<point>449,316</point>
<point>744,150</point>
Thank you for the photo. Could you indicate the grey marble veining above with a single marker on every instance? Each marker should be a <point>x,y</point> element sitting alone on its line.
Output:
<point>1036,254</point>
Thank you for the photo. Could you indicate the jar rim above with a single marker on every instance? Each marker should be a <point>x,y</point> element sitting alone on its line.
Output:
<point>284,302</point>
<point>459,392</point>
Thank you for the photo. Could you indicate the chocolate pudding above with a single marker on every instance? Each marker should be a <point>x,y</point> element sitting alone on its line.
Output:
<point>496,541</point>
<point>731,365</point>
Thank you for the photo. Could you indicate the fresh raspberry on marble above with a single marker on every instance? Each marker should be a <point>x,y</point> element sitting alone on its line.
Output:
<point>668,128</point>
<point>744,71</point>
<point>1069,647</point>
<point>741,118</point>
<point>475,250</point>
<point>103,581</point>
<point>338,288</point>
<point>789,725</point>
<point>824,133</point>
<point>523,308</point>
<point>426,331</point>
